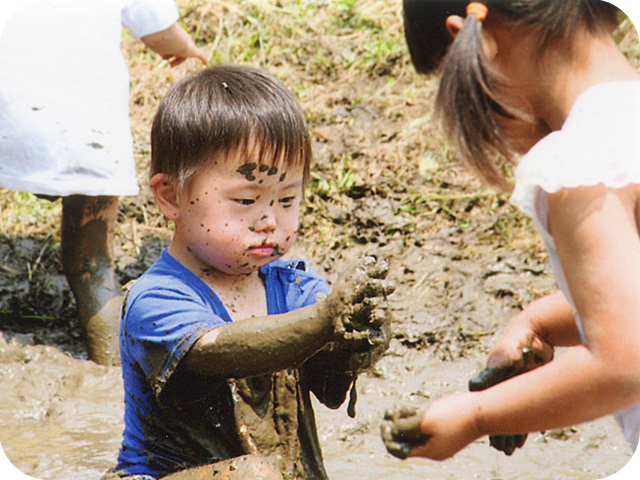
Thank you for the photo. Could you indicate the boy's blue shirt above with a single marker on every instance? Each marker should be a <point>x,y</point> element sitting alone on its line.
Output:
<point>188,421</point>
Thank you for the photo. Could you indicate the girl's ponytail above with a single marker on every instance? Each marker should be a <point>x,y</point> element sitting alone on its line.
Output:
<point>467,104</point>
<point>469,99</point>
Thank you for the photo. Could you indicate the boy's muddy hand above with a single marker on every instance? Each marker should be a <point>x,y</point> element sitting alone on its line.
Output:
<point>357,306</point>
<point>364,358</point>
<point>360,357</point>
<point>401,432</point>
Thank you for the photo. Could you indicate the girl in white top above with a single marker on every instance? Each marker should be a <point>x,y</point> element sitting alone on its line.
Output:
<point>64,130</point>
<point>545,79</point>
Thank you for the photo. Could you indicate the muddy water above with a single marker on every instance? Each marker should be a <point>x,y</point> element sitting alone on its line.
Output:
<point>61,419</point>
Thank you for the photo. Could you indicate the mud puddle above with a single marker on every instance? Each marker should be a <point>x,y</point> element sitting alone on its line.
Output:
<point>62,419</point>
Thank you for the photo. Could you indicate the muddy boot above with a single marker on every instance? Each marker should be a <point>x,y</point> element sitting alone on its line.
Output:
<point>87,259</point>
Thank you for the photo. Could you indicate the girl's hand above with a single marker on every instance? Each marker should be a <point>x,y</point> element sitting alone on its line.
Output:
<point>446,427</point>
<point>174,45</point>
<point>357,306</point>
<point>401,432</point>
<point>521,349</point>
<point>529,340</point>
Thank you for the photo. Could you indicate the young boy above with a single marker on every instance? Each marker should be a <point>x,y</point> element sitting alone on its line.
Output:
<point>222,340</point>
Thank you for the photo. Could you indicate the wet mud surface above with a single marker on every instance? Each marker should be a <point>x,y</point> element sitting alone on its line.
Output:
<point>61,416</point>
<point>383,183</point>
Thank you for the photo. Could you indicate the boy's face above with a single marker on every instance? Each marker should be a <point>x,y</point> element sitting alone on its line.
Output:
<point>237,215</point>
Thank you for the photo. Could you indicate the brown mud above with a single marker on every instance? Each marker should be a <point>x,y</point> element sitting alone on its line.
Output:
<point>383,183</point>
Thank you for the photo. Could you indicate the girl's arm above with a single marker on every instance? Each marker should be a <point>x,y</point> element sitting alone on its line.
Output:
<point>574,388</point>
<point>596,234</point>
<point>174,44</point>
<point>597,238</point>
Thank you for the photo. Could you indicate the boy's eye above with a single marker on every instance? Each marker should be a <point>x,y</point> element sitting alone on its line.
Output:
<point>287,201</point>
<point>245,201</point>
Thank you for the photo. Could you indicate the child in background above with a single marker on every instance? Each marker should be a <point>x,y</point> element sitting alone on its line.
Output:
<point>544,79</point>
<point>64,131</point>
<point>222,340</point>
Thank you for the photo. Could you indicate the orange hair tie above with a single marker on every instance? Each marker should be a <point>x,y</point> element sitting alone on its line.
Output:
<point>480,10</point>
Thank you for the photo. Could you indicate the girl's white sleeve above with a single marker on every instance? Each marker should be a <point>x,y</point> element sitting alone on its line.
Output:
<point>144,17</point>
<point>599,143</point>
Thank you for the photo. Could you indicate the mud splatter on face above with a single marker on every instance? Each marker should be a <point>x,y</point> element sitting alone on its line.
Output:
<point>263,167</point>
<point>283,176</point>
<point>247,170</point>
<point>252,229</point>
<point>272,171</point>
<point>271,203</point>
<point>276,251</point>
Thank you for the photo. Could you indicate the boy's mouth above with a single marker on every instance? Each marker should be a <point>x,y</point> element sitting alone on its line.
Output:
<point>266,249</point>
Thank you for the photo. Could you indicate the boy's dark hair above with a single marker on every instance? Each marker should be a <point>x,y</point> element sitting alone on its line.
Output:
<point>468,100</point>
<point>223,109</point>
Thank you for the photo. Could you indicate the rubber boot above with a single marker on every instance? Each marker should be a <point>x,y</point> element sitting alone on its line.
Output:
<point>87,259</point>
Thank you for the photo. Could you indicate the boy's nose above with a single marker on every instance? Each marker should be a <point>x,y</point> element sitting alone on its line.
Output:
<point>266,222</point>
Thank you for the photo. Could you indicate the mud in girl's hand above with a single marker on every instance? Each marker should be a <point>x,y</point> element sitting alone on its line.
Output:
<point>492,375</point>
<point>400,431</point>
<point>357,306</point>
<point>489,377</point>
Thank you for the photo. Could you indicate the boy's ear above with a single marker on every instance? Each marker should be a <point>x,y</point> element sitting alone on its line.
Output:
<point>165,191</point>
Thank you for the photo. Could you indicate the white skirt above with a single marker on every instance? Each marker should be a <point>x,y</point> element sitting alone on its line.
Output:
<point>64,95</point>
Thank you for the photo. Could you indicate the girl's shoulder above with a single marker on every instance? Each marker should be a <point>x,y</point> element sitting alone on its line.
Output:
<point>598,144</point>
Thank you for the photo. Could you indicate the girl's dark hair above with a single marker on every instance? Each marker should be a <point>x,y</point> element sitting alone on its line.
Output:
<point>469,101</point>
<point>223,109</point>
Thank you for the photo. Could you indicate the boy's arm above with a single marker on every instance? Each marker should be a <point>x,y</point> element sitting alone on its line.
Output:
<point>174,44</point>
<point>259,345</point>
